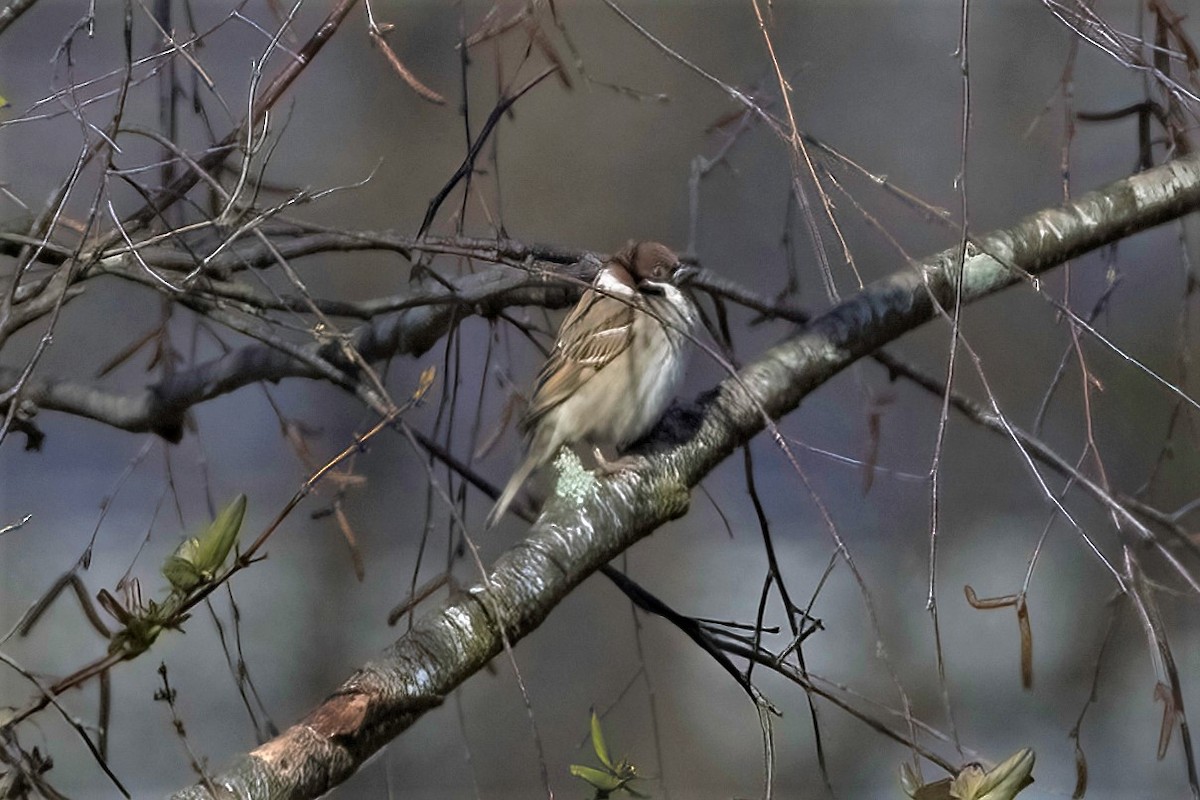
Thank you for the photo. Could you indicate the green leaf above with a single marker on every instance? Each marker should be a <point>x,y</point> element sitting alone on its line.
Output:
<point>1003,782</point>
<point>180,569</point>
<point>1006,780</point>
<point>198,559</point>
<point>598,742</point>
<point>599,779</point>
<point>135,638</point>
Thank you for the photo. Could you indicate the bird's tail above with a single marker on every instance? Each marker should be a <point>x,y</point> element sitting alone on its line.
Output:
<point>510,490</point>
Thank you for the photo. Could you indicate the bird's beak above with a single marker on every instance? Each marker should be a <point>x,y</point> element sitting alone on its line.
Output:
<point>683,274</point>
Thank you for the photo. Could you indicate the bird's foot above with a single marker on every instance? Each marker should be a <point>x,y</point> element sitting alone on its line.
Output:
<point>607,467</point>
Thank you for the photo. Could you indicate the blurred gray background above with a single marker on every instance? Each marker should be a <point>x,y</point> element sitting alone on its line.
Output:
<point>592,167</point>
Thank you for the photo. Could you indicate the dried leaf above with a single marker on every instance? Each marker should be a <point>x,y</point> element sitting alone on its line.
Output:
<point>1026,643</point>
<point>397,65</point>
<point>1081,773</point>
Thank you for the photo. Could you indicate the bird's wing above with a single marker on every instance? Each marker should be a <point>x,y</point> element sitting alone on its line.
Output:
<point>596,331</point>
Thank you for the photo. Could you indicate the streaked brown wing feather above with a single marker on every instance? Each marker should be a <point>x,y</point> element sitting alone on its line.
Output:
<point>582,350</point>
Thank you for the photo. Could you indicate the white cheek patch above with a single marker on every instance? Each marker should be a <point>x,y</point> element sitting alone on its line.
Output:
<point>610,284</point>
<point>680,306</point>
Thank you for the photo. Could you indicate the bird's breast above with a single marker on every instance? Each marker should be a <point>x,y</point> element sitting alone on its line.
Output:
<point>624,399</point>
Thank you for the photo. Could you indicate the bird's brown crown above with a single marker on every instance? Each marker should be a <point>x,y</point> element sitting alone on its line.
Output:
<point>648,261</point>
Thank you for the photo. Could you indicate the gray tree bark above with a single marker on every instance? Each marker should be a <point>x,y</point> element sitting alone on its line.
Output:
<point>588,522</point>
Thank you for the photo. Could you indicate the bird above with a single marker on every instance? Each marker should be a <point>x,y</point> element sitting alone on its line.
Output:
<point>616,363</point>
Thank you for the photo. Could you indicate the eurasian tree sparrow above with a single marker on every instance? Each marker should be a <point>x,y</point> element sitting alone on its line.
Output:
<point>616,364</point>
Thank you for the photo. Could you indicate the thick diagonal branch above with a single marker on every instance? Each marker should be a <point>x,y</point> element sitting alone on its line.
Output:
<point>574,537</point>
